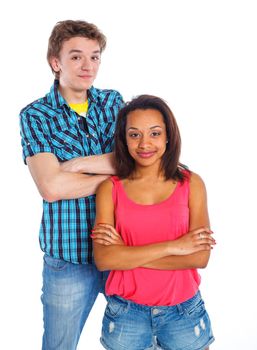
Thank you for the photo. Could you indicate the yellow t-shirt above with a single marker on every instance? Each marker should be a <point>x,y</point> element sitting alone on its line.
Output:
<point>80,108</point>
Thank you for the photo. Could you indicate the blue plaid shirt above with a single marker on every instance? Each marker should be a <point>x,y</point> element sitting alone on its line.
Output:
<point>50,125</point>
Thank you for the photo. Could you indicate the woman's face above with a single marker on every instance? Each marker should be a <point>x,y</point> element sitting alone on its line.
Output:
<point>146,136</point>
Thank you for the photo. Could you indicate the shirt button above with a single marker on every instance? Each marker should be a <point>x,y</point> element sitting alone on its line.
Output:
<point>155,311</point>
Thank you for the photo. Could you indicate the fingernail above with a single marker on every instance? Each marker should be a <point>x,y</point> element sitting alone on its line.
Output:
<point>92,236</point>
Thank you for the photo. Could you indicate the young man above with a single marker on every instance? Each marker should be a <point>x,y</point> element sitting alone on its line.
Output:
<point>67,139</point>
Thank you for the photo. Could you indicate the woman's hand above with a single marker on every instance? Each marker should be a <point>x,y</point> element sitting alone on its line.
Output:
<point>106,234</point>
<point>194,241</point>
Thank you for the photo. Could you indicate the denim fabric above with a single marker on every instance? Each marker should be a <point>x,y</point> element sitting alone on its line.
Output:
<point>131,326</point>
<point>69,292</point>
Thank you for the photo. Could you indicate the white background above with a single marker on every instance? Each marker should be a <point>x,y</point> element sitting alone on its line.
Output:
<point>201,57</point>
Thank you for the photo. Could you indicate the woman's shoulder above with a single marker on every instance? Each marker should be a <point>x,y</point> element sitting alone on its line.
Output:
<point>108,184</point>
<point>197,186</point>
<point>195,179</point>
<point>105,187</point>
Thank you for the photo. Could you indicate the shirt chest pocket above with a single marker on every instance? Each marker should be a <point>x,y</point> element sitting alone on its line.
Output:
<point>67,143</point>
<point>107,130</point>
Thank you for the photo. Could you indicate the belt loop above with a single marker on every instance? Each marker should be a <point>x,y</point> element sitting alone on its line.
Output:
<point>180,309</point>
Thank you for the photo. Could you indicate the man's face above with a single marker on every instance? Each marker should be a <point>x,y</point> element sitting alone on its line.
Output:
<point>77,64</point>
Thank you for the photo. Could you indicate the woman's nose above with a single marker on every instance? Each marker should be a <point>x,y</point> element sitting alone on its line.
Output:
<point>144,141</point>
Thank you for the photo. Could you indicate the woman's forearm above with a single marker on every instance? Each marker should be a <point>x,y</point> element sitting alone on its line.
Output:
<point>180,262</point>
<point>121,257</point>
<point>114,256</point>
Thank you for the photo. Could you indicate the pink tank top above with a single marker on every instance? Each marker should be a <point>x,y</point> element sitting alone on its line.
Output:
<point>144,224</point>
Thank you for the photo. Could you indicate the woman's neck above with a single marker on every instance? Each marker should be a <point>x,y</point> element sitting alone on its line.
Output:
<point>147,173</point>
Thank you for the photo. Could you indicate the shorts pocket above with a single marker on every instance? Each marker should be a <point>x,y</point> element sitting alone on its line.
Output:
<point>197,308</point>
<point>194,306</point>
<point>115,307</point>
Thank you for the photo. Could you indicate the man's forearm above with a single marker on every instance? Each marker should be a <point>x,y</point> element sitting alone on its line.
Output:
<point>96,164</point>
<point>55,184</point>
<point>70,186</point>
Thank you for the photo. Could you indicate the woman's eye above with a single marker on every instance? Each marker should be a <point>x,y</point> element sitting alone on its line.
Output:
<point>134,135</point>
<point>156,133</point>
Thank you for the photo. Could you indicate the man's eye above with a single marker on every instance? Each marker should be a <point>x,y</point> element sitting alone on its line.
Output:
<point>95,58</point>
<point>75,58</point>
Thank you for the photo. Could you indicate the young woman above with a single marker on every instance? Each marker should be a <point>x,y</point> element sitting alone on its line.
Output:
<point>152,231</point>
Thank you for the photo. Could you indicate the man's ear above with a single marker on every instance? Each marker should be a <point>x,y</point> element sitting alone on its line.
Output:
<point>55,64</point>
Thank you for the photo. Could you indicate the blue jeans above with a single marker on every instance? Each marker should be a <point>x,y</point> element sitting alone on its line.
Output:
<point>131,326</point>
<point>69,292</point>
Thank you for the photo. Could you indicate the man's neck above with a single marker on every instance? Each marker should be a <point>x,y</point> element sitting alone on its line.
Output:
<point>72,96</point>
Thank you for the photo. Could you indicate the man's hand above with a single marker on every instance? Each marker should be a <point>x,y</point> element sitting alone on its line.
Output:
<point>74,165</point>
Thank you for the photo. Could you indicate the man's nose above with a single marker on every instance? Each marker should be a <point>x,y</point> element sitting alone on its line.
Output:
<point>86,64</point>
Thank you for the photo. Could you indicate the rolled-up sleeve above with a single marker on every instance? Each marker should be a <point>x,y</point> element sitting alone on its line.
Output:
<point>34,137</point>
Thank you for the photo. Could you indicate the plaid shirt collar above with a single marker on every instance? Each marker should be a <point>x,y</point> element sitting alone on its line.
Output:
<point>56,100</point>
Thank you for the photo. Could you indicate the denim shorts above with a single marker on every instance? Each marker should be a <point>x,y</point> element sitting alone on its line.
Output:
<point>131,326</point>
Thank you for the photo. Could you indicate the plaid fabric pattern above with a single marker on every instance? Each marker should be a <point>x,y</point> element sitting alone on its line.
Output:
<point>50,125</point>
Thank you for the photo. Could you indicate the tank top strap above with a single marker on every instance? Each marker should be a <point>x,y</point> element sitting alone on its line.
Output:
<point>115,179</point>
<point>115,189</point>
<point>184,188</point>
